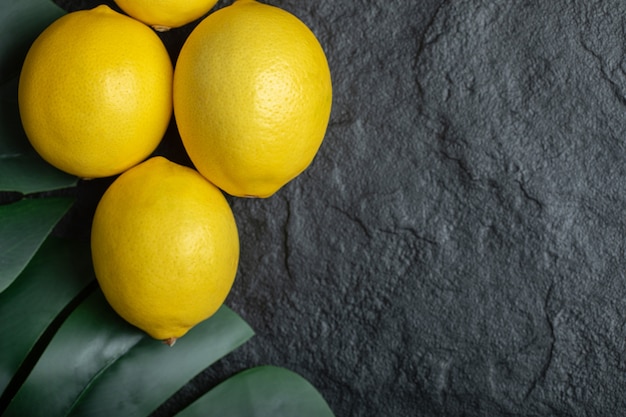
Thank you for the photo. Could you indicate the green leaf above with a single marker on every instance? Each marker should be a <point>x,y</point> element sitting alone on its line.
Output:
<point>21,22</point>
<point>55,276</point>
<point>89,340</point>
<point>23,228</point>
<point>152,372</point>
<point>21,169</point>
<point>30,174</point>
<point>265,391</point>
<point>100,363</point>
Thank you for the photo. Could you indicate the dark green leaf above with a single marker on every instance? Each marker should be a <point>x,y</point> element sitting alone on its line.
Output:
<point>21,22</point>
<point>97,364</point>
<point>30,174</point>
<point>265,391</point>
<point>23,228</point>
<point>91,339</point>
<point>151,371</point>
<point>55,276</point>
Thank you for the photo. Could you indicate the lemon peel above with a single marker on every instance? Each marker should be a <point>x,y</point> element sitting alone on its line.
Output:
<point>95,92</point>
<point>252,97</point>
<point>165,248</point>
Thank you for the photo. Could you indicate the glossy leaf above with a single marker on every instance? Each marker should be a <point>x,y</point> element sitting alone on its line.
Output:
<point>24,226</point>
<point>151,372</point>
<point>265,391</point>
<point>100,363</point>
<point>55,276</point>
<point>90,339</point>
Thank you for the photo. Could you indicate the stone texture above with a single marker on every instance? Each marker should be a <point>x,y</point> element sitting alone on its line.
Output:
<point>457,246</point>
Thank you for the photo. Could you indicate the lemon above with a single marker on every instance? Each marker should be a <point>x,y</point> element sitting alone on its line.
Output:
<point>95,92</point>
<point>163,15</point>
<point>252,97</point>
<point>165,247</point>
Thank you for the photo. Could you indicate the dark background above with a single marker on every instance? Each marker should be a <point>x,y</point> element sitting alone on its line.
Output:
<point>457,246</point>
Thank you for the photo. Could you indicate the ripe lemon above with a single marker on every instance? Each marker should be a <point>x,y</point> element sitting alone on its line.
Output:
<point>165,247</point>
<point>95,92</point>
<point>163,15</point>
<point>252,97</point>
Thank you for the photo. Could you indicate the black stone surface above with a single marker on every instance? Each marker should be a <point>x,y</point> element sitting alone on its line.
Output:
<point>457,246</point>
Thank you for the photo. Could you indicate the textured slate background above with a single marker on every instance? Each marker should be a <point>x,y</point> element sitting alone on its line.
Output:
<point>457,246</point>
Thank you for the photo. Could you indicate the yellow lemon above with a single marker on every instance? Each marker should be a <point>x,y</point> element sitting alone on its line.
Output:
<point>252,97</point>
<point>165,247</point>
<point>163,15</point>
<point>95,92</point>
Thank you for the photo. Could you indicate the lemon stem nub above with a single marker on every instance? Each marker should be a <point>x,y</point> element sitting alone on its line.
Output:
<point>161,28</point>
<point>170,342</point>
